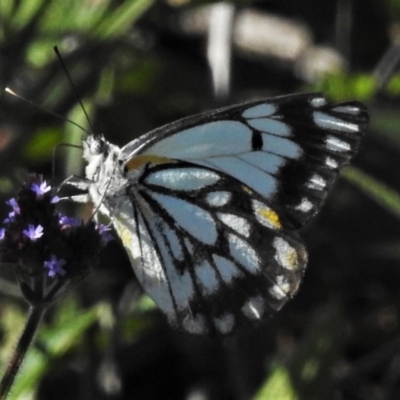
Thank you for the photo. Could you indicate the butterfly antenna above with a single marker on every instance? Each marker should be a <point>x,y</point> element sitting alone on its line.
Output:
<point>72,85</point>
<point>9,91</point>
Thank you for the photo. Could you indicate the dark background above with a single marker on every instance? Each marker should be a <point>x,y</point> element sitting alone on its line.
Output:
<point>140,64</point>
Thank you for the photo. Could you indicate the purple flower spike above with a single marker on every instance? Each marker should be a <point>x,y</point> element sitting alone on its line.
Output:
<point>2,233</point>
<point>55,266</point>
<point>10,217</point>
<point>33,233</point>
<point>105,235</point>
<point>68,221</point>
<point>41,189</point>
<point>13,203</point>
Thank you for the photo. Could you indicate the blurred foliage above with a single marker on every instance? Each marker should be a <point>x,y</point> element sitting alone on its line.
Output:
<point>385,196</point>
<point>135,68</point>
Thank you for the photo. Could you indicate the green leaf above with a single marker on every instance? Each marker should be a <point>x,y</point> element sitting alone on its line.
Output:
<point>341,86</point>
<point>61,336</point>
<point>122,18</point>
<point>278,386</point>
<point>42,145</point>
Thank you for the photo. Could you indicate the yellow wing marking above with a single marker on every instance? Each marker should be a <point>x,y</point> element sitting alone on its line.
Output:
<point>270,216</point>
<point>139,161</point>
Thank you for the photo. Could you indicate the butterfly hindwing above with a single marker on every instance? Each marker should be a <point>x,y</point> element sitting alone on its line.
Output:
<point>221,255</point>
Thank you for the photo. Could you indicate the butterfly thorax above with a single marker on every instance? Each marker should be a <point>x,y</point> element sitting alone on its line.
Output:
<point>103,169</point>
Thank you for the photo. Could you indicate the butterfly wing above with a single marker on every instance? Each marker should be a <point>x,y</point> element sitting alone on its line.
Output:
<point>206,248</point>
<point>212,201</point>
<point>287,149</point>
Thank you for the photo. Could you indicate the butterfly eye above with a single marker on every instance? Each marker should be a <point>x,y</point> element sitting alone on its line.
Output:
<point>97,146</point>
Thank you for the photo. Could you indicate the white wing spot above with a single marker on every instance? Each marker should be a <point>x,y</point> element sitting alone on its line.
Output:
<point>286,255</point>
<point>225,323</point>
<point>254,308</point>
<point>318,102</point>
<point>331,163</point>
<point>183,178</point>
<point>352,110</point>
<point>194,324</point>
<point>316,182</point>
<point>218,199</point>
<point>335,144</point>
<point>326,121</point>
<point>304,206</point>
<point>238,224</point>
<point>279,290</point>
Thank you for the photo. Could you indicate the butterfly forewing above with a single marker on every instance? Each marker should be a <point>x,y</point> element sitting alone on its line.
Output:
<point>289,149</point>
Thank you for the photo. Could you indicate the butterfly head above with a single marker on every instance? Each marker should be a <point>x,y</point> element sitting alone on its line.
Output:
<point>100,156</point>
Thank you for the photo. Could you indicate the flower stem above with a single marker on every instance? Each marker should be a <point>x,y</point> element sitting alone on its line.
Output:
<point>35,315</point>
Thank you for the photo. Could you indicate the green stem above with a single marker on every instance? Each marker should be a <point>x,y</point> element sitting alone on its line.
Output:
<point>35,315</point>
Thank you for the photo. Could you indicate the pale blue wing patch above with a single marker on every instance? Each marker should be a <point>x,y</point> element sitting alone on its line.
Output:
<point>206,140</point>
<point>270,126</point>
<point>253,177</point>
<point>281,146</point>
<point>244,254</point>
<point>260,110</point>
<point>207,278</point>
<point>226,268</point>
<point>181,284</point>
<point>174,242</point>
<point>193,219</point>
<point>267,162</point>
<point>189,246</point>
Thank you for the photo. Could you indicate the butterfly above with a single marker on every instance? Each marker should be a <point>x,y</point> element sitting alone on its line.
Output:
<point>208,207</point>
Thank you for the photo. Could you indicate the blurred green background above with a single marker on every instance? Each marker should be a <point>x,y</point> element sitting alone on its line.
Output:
<point>139,64</point>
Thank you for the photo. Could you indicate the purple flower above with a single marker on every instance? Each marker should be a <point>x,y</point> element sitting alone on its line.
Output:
<point>104,233</point>
<point>33,233</point>
<point>40,189</point>
<point>55,266</point>
<point>68,221</point>
<point>2,233</point>
<point>15,206</point>
<point>10,218</point>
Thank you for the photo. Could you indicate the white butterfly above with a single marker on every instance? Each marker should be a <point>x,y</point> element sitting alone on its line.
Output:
<point>207,207</point>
